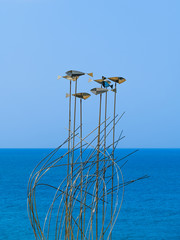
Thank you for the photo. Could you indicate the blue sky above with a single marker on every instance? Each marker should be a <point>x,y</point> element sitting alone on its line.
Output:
<point>138,40</point>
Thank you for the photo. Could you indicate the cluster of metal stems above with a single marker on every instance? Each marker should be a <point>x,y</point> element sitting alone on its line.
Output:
<point>86,201</point>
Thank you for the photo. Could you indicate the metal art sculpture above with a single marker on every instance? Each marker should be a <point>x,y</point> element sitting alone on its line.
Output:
<point>85,184</point>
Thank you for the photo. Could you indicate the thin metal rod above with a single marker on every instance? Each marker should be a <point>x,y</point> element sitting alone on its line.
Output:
<point>72,160</point>
<point>74,127</point>
<point>113,159</point>
<point>81,207</point>
<point>81,165</point>
<point>104,164</point>
<point>97,167</point>
<point>69,147</point>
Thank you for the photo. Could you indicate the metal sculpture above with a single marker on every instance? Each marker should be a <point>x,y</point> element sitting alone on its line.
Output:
<point>85,184</point>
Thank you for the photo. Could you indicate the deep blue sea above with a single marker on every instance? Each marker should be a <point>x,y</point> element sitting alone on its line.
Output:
<point>151,207</point>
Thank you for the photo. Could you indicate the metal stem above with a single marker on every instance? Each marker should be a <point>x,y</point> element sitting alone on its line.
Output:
<point>72,160</point>
<point>97,168</point>
<point>81,207</point>
<point>104,163</point>
<point>81,164</point>
<point>69,147</point>
<point>113,159</point>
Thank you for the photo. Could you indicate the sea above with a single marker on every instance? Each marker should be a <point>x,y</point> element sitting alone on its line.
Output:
<point>150,210</point>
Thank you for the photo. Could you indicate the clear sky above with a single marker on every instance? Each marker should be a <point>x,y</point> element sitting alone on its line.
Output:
<point>139,40</point>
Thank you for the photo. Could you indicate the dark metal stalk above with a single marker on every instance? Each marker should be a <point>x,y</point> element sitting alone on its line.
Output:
<point>97,167</point>
<point>113,159</point>
<point>72,160</point>
<point>69,146</point>
<point>104,164</point>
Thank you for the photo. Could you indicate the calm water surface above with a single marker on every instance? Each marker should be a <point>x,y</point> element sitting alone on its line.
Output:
<point>151,208</point>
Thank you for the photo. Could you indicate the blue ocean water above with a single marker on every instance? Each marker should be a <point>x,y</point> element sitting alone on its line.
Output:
<point>151,207</point>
